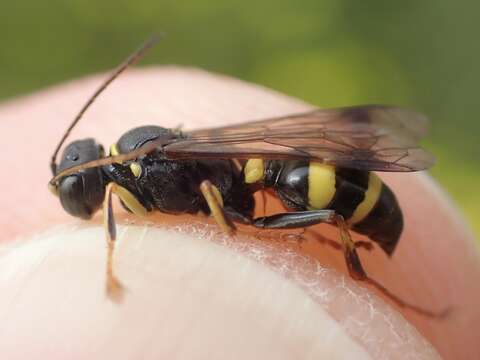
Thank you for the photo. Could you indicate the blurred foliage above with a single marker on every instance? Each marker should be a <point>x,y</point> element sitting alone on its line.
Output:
<point>421,54</point>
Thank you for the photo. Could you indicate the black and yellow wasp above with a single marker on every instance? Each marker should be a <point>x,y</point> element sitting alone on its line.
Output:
<point>319,163</point>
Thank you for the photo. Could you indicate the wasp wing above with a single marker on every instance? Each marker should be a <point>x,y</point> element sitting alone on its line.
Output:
<point>371,137</point>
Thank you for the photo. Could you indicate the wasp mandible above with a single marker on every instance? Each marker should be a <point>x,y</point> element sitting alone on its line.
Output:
<point>319,163</point>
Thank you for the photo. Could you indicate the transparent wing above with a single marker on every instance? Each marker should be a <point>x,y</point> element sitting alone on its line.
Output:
<point>371,137</point>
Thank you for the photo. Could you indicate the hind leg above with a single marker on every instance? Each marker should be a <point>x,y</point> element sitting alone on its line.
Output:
<point>302,219</point>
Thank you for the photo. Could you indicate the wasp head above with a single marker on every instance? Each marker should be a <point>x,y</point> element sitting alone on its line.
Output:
<point>81,193</point>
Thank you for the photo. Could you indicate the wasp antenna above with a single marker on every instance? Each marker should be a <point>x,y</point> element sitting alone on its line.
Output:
<point>132,59</point>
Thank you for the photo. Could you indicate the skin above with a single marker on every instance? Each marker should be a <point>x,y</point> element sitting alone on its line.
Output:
<point>193,292</point>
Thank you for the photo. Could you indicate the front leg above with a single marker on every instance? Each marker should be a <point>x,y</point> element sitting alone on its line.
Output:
<point>114,287</point>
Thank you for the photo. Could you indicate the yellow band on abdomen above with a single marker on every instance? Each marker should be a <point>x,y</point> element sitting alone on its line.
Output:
<point>371,197</point>
<point>321,185</point>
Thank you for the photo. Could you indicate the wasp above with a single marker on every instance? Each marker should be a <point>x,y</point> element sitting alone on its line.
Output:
<point>319,163</point>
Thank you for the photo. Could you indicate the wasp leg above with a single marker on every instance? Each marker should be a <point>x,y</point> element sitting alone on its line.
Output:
<point>366,245</point>
<point>301,219</point>
<point>356,271</point>
<point>294,220</point>
<point>354,265</point>
<point>114,287</point>
<point>214,200</point>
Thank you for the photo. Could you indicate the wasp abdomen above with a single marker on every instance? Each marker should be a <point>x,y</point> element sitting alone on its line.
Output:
<point>384,223</point>
<point>368,205</point>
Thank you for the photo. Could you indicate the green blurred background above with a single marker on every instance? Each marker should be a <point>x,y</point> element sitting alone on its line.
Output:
<point>423,54</point>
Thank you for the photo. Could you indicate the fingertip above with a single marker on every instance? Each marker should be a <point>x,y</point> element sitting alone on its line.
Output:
<point>189,285</point>
<point>433,266</point>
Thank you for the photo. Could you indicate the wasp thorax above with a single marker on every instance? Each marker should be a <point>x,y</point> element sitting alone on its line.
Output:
<point>82,193</point>
<point>139,136</point>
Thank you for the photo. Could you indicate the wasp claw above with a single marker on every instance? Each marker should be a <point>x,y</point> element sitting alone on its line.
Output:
<point>115,290</point>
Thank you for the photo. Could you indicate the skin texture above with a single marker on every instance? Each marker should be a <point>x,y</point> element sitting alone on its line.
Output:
<point>191,291</point>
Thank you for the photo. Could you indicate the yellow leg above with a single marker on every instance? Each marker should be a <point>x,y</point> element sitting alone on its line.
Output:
<point>214,200</point>
<point>114,288</point>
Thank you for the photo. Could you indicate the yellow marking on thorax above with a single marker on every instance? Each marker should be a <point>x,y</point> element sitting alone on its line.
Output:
<point>321,185</point>
<point>371,197</point>
<point>114,150</point>
<point>254,170</point>
<point>136,169</point>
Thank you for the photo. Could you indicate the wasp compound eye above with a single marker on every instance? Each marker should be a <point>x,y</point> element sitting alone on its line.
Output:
<point>81,194</point>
